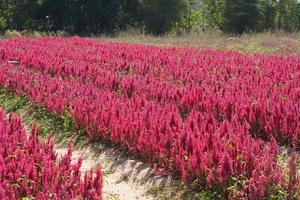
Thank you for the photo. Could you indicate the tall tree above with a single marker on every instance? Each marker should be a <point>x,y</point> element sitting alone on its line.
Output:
<point>130,13</point>
<point>240,15</point>
<point>101,15</point>
<point>160,15</point>
<point>213,13</point>
<point>288,15</point>
<point>269,13</point>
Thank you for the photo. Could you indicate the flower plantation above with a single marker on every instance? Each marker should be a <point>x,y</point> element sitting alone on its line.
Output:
<point>30,169</point>
<point>217,119</point>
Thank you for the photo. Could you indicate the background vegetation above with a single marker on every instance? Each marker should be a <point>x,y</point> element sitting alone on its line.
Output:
<point>156,17</point>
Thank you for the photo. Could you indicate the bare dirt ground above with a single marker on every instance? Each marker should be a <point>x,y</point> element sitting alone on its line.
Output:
<point>123,178</point>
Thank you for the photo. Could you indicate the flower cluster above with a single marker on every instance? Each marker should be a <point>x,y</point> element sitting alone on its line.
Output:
<point>211,116</point>
<point>30,169</point>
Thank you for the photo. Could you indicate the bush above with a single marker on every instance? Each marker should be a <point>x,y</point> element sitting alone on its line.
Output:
<point>3,24</point>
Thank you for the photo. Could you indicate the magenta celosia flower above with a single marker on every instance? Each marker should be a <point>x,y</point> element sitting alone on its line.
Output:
<point>225,169</point>
<point>206,114</point>
<point>30,168</point>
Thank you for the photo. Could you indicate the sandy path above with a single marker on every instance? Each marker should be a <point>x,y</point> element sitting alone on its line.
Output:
<point>124,178</point>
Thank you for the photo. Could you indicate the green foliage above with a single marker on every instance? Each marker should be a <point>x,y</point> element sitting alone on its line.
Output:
<point>240,15</point>
<point>74,16</point>
<point>268,14</point>
<point>83,16</point>
<point>68,123</point>
<point>213,13</point>
<point>47,122</point>
<point>277,193</point>
<point>157,17</point>
<point>288,18</point>
<point>3,24</point>
<point>130,13</point>
<point>161,15</point>
<point>192,21</point>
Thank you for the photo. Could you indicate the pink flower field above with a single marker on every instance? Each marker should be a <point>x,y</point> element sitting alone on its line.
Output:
<point>30,169</point>
<point>216,119</point>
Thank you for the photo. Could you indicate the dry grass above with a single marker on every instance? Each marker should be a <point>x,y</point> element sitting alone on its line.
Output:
<point>266,43</point>
<point>33,34</point>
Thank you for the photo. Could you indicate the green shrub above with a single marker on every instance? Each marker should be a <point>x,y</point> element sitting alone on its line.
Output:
<point>3,23</point>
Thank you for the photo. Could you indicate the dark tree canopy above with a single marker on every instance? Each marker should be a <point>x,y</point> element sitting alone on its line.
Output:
<point>160,15</point>
<point>240,15</point>
<point>157,17</point>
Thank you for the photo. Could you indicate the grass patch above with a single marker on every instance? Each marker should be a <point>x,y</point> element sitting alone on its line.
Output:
<point>60,127</point>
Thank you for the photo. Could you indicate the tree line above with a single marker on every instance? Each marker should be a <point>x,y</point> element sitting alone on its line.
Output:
<point>238,16</point>
<point>155,17</point>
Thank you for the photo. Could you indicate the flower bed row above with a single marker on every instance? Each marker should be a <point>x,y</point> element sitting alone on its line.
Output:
<point>263,90</point>
<point>218,154</point>
<point>30,168</point>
